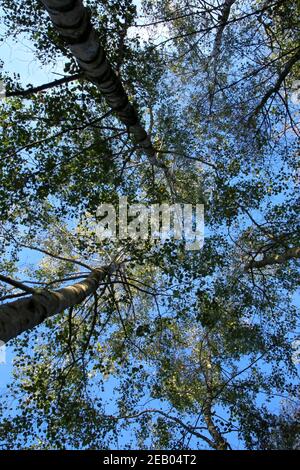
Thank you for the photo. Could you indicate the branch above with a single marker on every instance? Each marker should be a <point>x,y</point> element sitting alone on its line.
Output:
<point>215,26</point>
<point>46,86</point>
<point>185,426</point>
<point>16,284</point>
<point>282,76</point>
<point>62,258</point>
<point>81,127</point>
<point>291,253</point>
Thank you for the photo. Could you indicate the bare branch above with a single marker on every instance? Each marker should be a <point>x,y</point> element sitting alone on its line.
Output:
<point>46,86</point>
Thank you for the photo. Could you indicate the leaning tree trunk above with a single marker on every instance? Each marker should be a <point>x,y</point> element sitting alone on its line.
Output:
<point>25,314</point>
<point>72,20</point>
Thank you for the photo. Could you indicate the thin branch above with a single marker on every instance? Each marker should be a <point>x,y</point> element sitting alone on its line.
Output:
<point>45,86</point>
<point>185,426</point>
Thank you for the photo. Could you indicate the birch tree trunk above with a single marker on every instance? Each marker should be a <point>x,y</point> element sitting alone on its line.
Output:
<point>222,20</point>
<point>72,20</point>
<point>219,442</point>
<point>25,314</point>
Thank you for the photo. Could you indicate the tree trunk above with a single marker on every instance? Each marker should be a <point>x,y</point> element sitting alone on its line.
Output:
<point>222,20</point>
<point>25,314</point>
<point>219,442</point>
<point>282,76</point>
<point>72,20</point>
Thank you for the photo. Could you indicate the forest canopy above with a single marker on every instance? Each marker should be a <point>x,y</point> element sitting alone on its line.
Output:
<point>141,342</point>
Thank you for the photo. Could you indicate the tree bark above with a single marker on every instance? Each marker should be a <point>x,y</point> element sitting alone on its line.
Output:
<point>24,314</point>
<point>222,20</point>
<point>219,442</point>
<point>72,20</point>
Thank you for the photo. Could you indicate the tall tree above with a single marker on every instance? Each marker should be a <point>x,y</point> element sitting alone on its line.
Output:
<point>196,347</point>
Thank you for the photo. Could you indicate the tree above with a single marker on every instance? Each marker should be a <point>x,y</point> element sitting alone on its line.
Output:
<point>196,345</point>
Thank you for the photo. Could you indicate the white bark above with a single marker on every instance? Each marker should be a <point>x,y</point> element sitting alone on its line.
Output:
<point>26,313</point>
<point>71,19</point>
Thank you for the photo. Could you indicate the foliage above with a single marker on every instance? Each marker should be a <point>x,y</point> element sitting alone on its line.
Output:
<point>176,349</point>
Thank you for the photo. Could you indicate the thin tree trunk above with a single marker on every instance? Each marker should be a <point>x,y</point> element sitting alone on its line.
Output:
<point>219,441</point>
<point>222,20</point>
<point>24,314</point>
<point>72,20</point>
<point>282,76</point>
